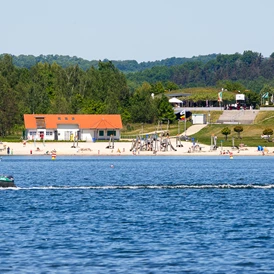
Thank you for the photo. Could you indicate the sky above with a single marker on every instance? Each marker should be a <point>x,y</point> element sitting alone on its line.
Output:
<point>141,30</point>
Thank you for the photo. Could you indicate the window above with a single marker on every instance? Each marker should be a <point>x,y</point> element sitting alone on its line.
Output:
<point>59,118</point>
<point>111,132</point>
<point>49,133</point>
<point>66,118</point>
<point>101,133</point>
<point>32,133</point>
<point>72,118</point>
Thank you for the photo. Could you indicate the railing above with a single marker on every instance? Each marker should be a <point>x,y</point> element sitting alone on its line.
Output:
<point>134,137</point>
<point>129,137</point>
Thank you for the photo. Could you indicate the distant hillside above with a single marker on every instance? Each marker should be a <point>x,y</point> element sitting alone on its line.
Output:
<point>250,69</point>
<point>27,61</point>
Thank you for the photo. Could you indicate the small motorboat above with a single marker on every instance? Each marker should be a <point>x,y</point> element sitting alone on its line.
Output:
<point>6,181</point>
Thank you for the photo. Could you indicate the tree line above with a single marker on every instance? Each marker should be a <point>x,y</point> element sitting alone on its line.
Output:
<point>27,61</point>
<point>49,88</point>
<point>250,69</point>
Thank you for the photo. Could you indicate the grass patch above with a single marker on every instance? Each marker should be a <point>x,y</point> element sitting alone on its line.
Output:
<point>250,136</point>
<point>133,130</point>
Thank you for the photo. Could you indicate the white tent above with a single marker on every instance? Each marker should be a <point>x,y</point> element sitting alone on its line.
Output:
<point>175,100</point>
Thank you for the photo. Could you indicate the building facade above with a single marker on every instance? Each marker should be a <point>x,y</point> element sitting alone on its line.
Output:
<point>71,127</point>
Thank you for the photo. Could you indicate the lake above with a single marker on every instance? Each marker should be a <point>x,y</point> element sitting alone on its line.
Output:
<point>137,215</point>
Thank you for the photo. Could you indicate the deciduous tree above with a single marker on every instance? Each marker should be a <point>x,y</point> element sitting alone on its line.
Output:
<point>238,129</point>
<point>268,132</point>
<point>226,131</point>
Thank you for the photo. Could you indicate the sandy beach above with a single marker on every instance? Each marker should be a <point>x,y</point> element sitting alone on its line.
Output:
<point>122,149</point>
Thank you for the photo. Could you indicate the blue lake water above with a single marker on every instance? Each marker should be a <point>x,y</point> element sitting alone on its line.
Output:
<point>143,215</point>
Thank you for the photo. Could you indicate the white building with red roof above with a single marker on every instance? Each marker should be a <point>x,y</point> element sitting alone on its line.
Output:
<point>69,127</point>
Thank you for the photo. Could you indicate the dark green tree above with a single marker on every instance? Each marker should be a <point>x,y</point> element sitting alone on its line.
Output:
<point>93,107</point>
<point>238,129</point>
<point>41,88</point>
<point>170,86</point>
<point>226,131</point>
<point>114,88</point>
<point>157,88</point>
<point>9,115</point>
<point>164,109</point>
<point>268,132</point>
<point>142,108</point>
<point>252,98</point>
<point>8,70</point>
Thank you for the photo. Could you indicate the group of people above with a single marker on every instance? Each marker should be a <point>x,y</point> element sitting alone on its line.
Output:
<point>237,106</point>
<point>227,152</point>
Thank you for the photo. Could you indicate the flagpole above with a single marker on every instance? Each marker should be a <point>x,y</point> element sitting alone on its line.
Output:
<point>185,124</point>
<point>220,97</point>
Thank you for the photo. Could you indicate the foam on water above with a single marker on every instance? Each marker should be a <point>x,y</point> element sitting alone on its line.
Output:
<point>182,186</point>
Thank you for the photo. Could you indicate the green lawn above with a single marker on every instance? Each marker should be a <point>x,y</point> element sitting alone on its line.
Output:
<point>250,136</point>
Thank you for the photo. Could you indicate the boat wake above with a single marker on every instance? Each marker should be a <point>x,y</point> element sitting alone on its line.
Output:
<point>180,186</point>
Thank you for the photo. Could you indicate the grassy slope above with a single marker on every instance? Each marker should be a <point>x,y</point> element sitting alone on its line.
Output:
<point>250,136</point>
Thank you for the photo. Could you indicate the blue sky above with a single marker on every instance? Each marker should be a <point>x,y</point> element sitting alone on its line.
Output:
<point>141,30</point>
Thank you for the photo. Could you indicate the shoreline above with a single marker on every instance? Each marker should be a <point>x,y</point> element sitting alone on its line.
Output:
<point>121,149</point>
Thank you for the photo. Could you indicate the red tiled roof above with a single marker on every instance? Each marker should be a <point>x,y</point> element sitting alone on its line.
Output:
<point>103,123</point>
<point>84,121</point>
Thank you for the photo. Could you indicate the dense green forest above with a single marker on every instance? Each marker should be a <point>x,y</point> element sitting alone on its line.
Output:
<point>27,61</point>
<point>250,69</point>
<point>50,88</point>
<point>45,86</point>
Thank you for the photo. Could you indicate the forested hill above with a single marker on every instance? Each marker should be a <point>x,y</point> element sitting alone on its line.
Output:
<point>28,61</point>
<point>47,87</point>
<point>250,69</point>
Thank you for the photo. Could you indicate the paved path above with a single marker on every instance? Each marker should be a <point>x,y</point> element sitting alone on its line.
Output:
<point>194,129</point>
